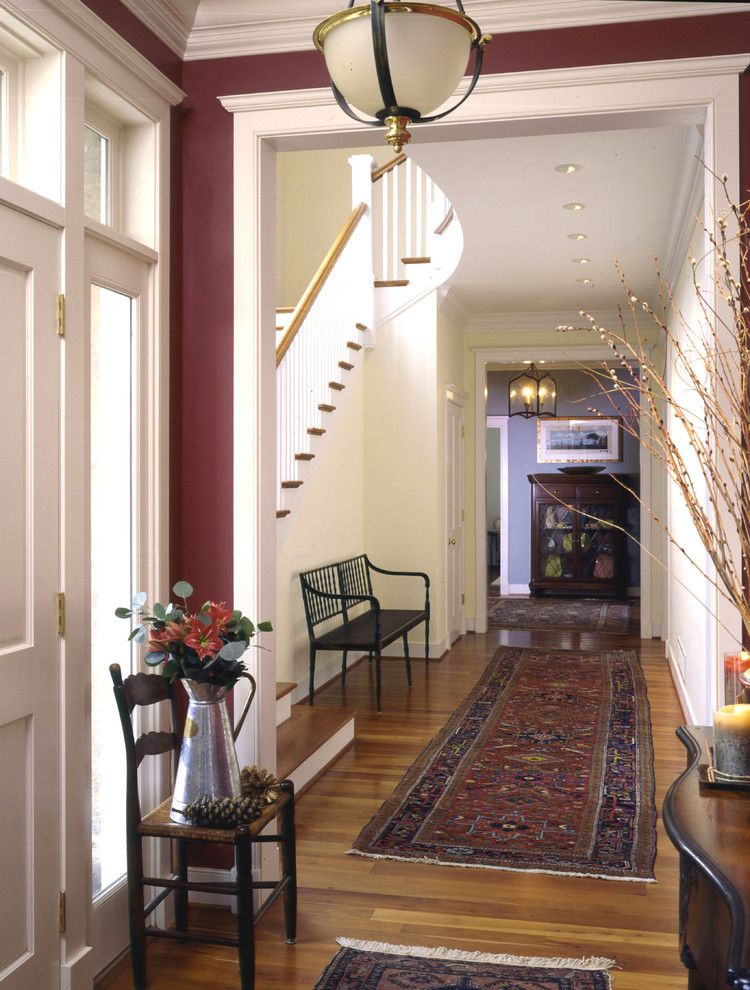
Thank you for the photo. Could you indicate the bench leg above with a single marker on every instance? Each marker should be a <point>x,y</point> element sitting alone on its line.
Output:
<point>408,662</point>
<point>181,896</point>
<point>343,666</point>
<point>426,641</point>
<point>245,919</point>
<point>377,678</point>
<point>312,675</point>
<point>369,657</point>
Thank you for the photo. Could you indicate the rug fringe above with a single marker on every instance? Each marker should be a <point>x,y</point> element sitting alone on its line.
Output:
<point>505,869</point>
<point>459,955</point>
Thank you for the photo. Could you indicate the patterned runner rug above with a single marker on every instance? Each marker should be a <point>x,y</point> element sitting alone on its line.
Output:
<point>546,766</point>
<point>377,966</point>
<point>580,614</point>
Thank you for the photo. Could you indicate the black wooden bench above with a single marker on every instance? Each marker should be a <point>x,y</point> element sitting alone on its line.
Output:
<point>335,589</point>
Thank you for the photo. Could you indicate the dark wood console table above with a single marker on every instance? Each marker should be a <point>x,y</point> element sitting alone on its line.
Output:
<point>711,829</point>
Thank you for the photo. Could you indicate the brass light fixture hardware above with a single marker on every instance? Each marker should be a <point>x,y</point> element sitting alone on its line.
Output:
<point>398,61</point>
<point>533,392</point>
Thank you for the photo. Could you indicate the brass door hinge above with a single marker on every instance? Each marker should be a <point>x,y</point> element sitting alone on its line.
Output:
<point>61,916</point>
<point>61,315</point>
<point>463,599</point>
<point>60,613</point>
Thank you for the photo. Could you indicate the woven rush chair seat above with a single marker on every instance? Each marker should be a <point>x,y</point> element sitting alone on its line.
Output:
<point>334,590</point>
<point>149,689</point>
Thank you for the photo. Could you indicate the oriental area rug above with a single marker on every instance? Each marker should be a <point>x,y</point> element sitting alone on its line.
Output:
<point>546,767</point>
<point>377,966</point>
<point>579,614</point>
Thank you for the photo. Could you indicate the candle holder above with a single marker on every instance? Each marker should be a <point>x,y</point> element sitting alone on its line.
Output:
<point>732,741</point>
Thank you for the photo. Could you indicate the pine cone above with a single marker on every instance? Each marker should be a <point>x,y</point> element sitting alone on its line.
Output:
<point>207,811</point>
<point>259,782</point>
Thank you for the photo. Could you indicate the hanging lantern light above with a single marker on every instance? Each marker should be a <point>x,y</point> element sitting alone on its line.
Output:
<point>399,61</point>
<point>532,393</point>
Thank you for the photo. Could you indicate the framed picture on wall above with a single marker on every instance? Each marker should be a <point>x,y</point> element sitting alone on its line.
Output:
<point>579,440</point>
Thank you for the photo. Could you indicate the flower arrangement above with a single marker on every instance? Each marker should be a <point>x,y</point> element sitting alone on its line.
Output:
<point>206,645</point>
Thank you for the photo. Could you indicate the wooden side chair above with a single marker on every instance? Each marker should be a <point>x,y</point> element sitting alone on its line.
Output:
<point>150,689</point>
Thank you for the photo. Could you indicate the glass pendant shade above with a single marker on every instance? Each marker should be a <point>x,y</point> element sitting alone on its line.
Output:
<point>398,62</point>
<point>427,57</point>
<point>532,393</point>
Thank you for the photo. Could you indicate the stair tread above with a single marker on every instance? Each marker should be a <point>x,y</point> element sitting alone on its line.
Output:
<point>285,309</point>
<point>352,346</point>
<point>315,431</point>
<point>337,386</point>
<point>281,513</point>
<point>304,457</point>
<point>305,732</point>
<point>424,260</point>
<point>360,326</point>
<point>325,407</point>
<point>283,688</point>
<point>292,484</point>
<point>346,365</point>
<point>391,283</point>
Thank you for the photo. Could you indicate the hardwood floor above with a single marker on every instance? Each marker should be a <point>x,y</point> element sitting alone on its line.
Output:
<point>412,903</point>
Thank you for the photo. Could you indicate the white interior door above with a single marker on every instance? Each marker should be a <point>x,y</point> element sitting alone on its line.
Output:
<point>454,481</point>
<point>29,576</point>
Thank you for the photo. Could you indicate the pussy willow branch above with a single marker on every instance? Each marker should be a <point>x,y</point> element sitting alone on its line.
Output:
<point>693,414</point>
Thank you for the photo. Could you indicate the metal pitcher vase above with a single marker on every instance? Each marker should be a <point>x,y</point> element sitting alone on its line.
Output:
<point>208,759</point>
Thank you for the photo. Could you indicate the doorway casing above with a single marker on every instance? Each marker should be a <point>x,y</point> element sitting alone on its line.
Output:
<point>687,91</point>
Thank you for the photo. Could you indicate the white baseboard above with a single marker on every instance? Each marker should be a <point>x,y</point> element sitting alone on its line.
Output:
<point>517,589</point>
<point>206,874</point>
<point>470,623</point>
<point>687,709</point>
<point>283,708</point>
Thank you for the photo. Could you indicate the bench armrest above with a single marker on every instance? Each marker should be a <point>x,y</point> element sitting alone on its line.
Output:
<point>382,570</point>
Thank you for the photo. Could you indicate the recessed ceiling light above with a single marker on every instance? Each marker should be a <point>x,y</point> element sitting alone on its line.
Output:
<point>586,281</point>
<point>574,207</point>
<point>577,237</point>
<point>581,261</point>
<point>567,168</point>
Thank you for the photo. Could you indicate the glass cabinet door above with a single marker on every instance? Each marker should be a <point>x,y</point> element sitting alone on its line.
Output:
<point>598,541</point>
<point>556,541</point>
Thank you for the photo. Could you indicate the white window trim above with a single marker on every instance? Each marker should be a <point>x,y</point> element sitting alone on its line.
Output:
<point>11,107</point>
<point>111,131</point>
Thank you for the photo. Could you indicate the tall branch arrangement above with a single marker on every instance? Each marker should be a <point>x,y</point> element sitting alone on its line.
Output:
<point>690,407</point>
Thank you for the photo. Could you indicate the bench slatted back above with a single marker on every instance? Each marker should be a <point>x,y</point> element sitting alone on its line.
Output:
<point>345,577</point>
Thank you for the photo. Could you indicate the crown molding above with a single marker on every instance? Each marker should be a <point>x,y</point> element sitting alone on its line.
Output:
<point>544,322</point>
<point>261,30</point>
<point>163,20</point>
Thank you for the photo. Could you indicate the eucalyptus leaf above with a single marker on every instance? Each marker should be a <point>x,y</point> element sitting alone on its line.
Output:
<point>203,618</point>
<point>265,626</point>
<point>154,657</point>
<point>247,626</point>
<point>206,606</point>
<point>138,634</point>
<point>183,589</point>
<point>236,616</point>
<point>232,651</point>
<point>159,611</point>
<point>139,599</point>
<point>123,613</point>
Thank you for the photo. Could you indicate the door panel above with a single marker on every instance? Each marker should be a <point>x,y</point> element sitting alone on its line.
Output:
<point>29,575</point>
<point>454,520</point>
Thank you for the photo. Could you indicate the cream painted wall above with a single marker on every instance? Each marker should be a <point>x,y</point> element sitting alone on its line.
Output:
<point>314,196</point>
<point>404,462</point>
<point>689,632</point>
<point>328,525</point>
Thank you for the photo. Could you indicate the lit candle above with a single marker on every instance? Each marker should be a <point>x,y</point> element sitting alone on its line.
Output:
<point>732,740</point>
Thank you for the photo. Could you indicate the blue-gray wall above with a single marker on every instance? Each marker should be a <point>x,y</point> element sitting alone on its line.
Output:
<point>576,392</point>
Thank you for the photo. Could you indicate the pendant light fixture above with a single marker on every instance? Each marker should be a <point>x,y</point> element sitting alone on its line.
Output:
<point>399,61</point>
<point>532,393</point>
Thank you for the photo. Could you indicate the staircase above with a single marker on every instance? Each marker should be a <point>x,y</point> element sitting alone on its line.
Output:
<point>401,241</point>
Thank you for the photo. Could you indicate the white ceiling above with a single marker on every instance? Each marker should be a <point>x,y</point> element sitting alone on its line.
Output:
<point>197,29</point>
<point>509,198</point>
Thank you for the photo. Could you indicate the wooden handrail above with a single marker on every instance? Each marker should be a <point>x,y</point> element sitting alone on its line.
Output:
<point>378,173</point>
<point>445,222</point>
<point>318,280</point>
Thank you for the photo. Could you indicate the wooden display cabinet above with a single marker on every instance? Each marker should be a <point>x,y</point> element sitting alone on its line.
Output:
<point>575,543</point>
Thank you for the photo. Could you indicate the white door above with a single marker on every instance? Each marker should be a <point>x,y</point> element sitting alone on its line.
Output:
<point>29,576</point>
<point>454,502</point>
